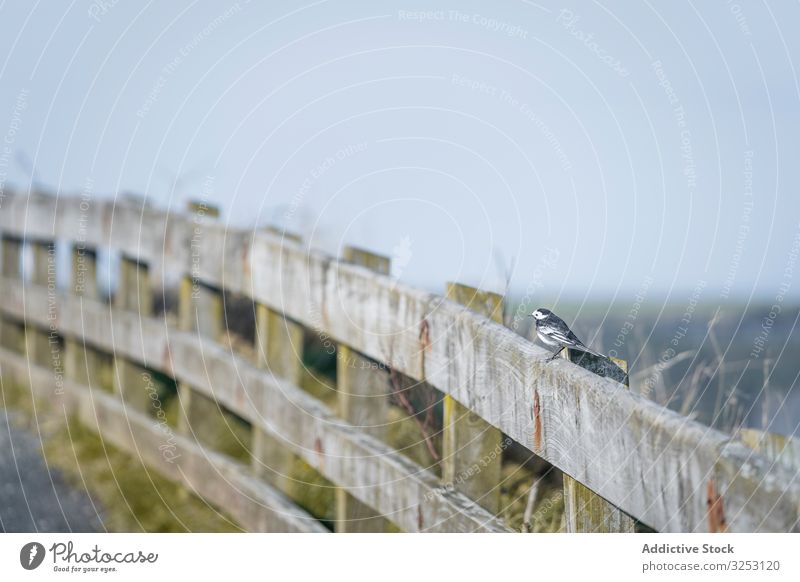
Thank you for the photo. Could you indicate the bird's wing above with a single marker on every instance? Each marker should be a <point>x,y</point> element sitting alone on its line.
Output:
<point>558,324</point>
<point>560,333</point>
<point>557,329</point>
<point>555,321</point>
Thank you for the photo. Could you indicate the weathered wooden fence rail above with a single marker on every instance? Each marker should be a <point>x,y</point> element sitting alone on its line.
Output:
<point>665,470</point>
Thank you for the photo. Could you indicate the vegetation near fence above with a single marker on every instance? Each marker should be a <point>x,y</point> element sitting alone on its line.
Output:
<point>249,411</point>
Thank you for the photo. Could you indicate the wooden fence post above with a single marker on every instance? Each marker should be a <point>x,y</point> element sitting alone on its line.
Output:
<point>12,257</point>
<point>202,209</point>
<point>584,510</point>
<point>43,274</point>
<point>361,387</point>
<point>200,306</point>
<point>82,362</point>
<point>279,348</point>
<point>201,310</point>
<point>132,381</point>
<point>472,449</point>
<point>134,290</point>
<point>84,272</point>
<point>12,333</point>
<point>780,449</point>
<point>777,447</point>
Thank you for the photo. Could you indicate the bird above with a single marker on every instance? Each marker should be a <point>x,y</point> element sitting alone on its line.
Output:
<point>554,333</point>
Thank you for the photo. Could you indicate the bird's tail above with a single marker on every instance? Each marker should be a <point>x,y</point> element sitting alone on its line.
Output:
<point>583,348</point>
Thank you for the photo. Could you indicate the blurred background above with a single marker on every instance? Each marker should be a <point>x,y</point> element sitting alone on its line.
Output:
<point>632,167</point>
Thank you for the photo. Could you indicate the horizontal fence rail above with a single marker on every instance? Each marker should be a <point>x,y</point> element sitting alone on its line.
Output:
<point>370,470</point>
<point>224,482</point>
<point>667,471</point>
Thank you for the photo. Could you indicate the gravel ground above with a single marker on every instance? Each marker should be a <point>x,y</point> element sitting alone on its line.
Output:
<point>33,496</point>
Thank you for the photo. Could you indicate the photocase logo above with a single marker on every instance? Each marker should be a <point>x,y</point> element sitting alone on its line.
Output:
<point>31,555</point>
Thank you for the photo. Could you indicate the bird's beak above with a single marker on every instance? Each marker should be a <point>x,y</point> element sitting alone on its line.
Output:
<point>530,315</point>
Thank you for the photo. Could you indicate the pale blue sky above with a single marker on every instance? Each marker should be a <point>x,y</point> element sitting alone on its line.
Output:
<point>597,144</point>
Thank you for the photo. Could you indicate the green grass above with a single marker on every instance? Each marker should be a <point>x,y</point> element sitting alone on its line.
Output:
<point>312,492</point>
<point>516,482</point>
<point>135,498</point>
<point>132,497</point>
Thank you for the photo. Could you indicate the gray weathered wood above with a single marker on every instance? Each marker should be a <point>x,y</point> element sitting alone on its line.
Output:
<point>84,271</point>
<point>12,256</point>
<point>781,448</point>
<point>12,330</point>
<point>584,510</point>
<point>202,209</point>
<point>44,263</point>
<point>410,496</point>
<point>131,381</point>
<point>283,233</point>
<point>472,448</point>
<point>200,309</point>
<point>280,350</point>
<point>590,427</point>
<point>133,288</point>
<point>82,362</point>
<point>43,349</point>
<point>220,480</point>
<point>364,403</point>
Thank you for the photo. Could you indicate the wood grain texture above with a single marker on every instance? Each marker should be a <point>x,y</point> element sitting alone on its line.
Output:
<point>130,382</point>
<point>82,362</point>
<point>649,461</point>
<point>200,309</point>
<point>202,209</point>
<point>371,471</point>
<point>781,448</point>
<point>38,338</point>
<point>220,480</point>
<point>133,294</point>
<point>279,350</point>
<point>472,449</point>
<point>12,329</point>
<point>587,512</point>
<point>83,280</point>
<point>374,262</point>
<point>134,290</point>
<point>584,510</point>
<point>12,256</point>
<point>362,393</point>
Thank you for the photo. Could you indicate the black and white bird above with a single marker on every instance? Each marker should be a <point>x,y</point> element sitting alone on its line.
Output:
<point>554,333</point>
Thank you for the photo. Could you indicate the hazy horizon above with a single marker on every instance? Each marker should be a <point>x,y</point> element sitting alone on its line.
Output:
<point>601,149</point>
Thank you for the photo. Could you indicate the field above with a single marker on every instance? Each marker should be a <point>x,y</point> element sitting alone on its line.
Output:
<point>717,365</point>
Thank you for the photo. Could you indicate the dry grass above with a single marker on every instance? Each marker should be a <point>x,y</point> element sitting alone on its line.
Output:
<point>133,498</point>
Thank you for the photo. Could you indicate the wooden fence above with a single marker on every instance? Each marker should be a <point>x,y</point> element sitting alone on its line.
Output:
<point>624,457</point>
